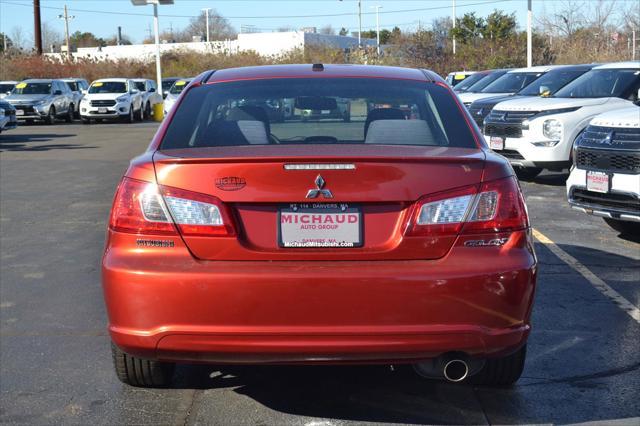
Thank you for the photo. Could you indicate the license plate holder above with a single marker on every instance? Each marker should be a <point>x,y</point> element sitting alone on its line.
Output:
<point>496,143</point>
<point>19,112</point>
<point>320,225</point>
<point>102,110</point>
<point>598,182</point>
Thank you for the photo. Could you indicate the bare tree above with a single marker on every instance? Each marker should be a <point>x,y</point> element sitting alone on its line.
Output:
<point>20,39</point>
<point>219,27</point>
<point>565,19</point>
<point>51,37</point>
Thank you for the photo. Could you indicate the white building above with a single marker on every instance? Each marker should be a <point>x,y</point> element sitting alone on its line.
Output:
<point>264,44</point>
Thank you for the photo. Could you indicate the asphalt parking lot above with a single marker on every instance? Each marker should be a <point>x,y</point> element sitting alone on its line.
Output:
<point>56,186</point>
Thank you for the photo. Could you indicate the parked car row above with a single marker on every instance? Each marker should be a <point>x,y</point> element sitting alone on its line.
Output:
<point>582,117</point>
<point>47,100</point>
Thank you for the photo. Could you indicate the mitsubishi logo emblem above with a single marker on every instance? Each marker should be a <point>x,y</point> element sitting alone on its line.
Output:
<point>609,139</point>
<point>314,193</point>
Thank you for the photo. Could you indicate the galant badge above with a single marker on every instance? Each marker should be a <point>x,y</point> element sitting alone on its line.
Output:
<point>313,193</point>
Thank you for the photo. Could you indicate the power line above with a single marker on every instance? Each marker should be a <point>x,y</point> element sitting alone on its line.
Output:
<point>327,15</point>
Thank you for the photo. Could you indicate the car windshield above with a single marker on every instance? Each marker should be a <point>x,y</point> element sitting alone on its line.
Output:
<point>551,82</point>
<point>166,84</point>
<point>72,85</point>
<point>32,89</point>
<point>318,111</point>
<point>480,85</point>
<point>108,87</point>
<point>139,85</point>
<point>623,83</point>
<point>511,82</point>
<point>470,81</point>
<point>4,88</point>
<point>179,86</point>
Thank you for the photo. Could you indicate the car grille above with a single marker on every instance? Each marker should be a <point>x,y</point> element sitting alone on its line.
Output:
<point>614,137</point>
<point>608,160</point>
<point>511,154</point>
<point>478,114</point>
<point>25,108</point>
<point>614,200</point>
<point>103,103</point>
<point>506,123</point>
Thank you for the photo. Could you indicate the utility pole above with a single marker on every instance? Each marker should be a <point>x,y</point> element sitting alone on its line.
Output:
<point>359,23</point>
<point>66,18</point>
<point>37,27</point>
<point>206,11</point>
<point>377,8</point>
<point>529,43</point>
<point>453,18</point>
<point>157,37</point>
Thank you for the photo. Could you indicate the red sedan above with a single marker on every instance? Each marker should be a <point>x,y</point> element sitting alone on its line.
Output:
<point>389,238</point>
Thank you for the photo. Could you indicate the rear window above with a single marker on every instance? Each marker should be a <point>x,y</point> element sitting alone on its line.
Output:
<point>318,111</point>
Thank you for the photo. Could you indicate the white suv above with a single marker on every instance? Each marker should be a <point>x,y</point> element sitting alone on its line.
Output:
<point>150,96</point>
<point>605,178</point>
<point>508,84</point>
<point>536,134</point>
<point>112,98</point>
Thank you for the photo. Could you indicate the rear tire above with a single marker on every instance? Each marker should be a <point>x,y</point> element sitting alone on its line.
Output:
<point>140,116</point>
<point>503,371</point>
<point>147,111</point>
<point>527,173</point>
<point>624,227</point>
<point>141,372</point>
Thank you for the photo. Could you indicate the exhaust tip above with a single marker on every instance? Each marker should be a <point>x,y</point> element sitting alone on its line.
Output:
<point>456,370</point>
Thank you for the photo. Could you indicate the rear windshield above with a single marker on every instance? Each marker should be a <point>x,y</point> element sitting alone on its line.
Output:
<point>108,87</point>
<point>318,111</point>
<point>549,83</point>
<point>480,85</point>
<point>604,83</point>
<point>32,89</point>
<point>511,82</point>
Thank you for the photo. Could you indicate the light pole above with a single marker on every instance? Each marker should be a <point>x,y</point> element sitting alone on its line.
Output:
<point>156,29</point>
<point>66,18</point>
<point>359,23</point>
<point>453,17</point>
<point>529,43</point>
<point>206,11</point>
<point>377,8</point>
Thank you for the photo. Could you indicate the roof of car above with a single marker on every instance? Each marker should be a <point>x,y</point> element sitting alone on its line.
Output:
<point>121,80</point>
<point>72,79</point>
<point>619,65</point>
<point>578,67</point>
<point>539,68</point>
<point>8,82</point>
<point>306,70</point>
<point>39,80</point>
<point>140,79</point>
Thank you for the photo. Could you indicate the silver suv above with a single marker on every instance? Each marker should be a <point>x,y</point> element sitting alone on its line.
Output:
<point>78,87</point>
<point>42,100</point>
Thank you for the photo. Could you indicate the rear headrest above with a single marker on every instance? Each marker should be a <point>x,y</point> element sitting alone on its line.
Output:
<point>250,112</point>
<point>400,132</point>
<point>382,114</point>
<point>242,132</point>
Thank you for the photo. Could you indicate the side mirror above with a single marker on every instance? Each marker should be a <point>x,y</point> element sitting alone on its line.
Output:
<point>57,92</point>
<point>133,91</point>
<point>152,90</point>
<point>165,94</point>
<point>84,91</point>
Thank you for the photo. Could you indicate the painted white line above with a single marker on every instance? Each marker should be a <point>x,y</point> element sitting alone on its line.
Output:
<point>595,281</point>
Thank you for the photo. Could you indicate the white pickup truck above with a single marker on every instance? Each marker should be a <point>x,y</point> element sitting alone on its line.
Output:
<point>536,134</point>
<point>605,177</point>
<point>112,98</point>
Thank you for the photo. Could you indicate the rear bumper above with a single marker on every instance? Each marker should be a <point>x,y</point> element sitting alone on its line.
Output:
<point>163,304</point>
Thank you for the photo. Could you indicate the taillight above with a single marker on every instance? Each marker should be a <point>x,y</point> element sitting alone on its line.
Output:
<point>145,208</point>
<point>497,206</point>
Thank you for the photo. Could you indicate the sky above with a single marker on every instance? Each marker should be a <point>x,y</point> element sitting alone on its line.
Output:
<point>265,15</point>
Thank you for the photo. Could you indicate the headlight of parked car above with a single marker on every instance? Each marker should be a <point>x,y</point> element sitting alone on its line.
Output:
<point>552,129</point>
<point>1,112</point>
<point>41,102</point>
<point>122,98</point>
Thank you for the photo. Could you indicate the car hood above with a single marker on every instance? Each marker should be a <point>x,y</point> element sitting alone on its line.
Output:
<point>25,99</point>
<point>543,104</point>
<point>472,97</point>
<point>625,117</point>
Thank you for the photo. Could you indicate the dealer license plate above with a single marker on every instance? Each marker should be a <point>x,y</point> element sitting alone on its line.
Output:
<point>19,112</point>
<point>598,182</point>
<point>319,225</point>
<point>102,110</point>
<point>496,143</point>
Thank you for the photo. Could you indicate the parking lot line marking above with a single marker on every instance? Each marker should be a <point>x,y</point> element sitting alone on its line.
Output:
<point>595,281</point>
